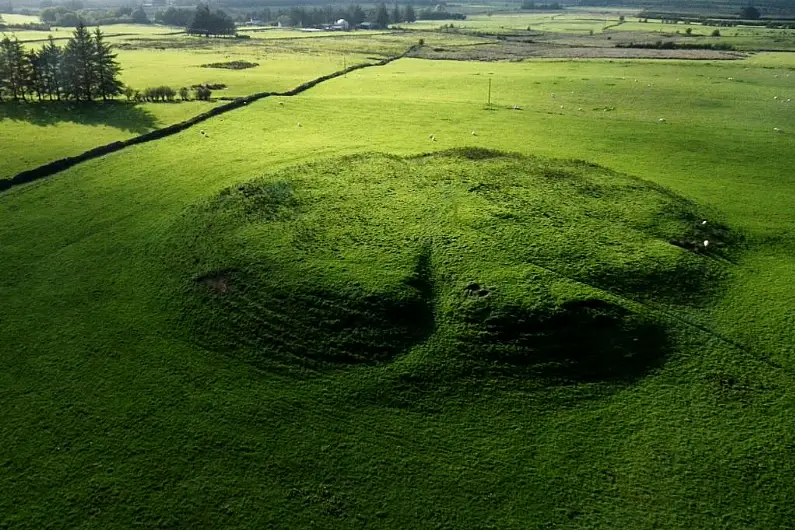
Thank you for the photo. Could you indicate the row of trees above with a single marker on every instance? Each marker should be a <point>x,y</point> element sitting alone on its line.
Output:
<point>65,15</point>
<point>166,94</point>
<point>301,16</point>
<point>83,70</point>
<point>208,23</point>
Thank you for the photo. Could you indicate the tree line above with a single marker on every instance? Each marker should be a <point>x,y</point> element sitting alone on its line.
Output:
<point>208,23</point>
<point>84,69</point>
<point>354,14</point>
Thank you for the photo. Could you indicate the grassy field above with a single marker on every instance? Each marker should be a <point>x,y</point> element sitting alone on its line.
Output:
<point>70,130</point>
<point>66,131</point>
<point>200,333</point>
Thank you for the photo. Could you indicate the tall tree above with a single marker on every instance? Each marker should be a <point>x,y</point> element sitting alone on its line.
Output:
<point>106,68</point>
<point>78,65</point>
<point>397,17</point>
<point>34,74</point>
<point>139,16</point>
<point>409,15</point>
<point>51,57</point>
<point>4,71</point>
<point>381,16</point>
<point>356,15</point>
<point>15,68</point>
<point>749,12</point>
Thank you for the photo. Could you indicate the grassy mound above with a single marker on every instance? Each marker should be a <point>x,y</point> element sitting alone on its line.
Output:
<point>510,264</point>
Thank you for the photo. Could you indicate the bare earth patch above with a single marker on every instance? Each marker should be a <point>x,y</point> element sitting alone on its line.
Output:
<point>218,281</point>
<point>516,51</point>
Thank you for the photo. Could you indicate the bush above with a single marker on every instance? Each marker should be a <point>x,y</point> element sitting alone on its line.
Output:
<point>716,33</point>
<point>159,93</point>
<point>421,42</point>
<point>203,93</point>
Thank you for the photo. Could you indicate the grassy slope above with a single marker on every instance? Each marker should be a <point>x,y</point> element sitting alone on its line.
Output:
<point>110,419</point>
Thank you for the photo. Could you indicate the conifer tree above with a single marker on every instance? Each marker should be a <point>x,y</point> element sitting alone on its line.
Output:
<point>106,68</point>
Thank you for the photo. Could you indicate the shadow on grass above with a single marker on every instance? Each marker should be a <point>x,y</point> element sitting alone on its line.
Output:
<point>581,341</point>
<point>116,114</point>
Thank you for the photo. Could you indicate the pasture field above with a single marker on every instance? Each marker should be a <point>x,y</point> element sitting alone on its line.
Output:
<point>265,325</point>
<point>34,134</point>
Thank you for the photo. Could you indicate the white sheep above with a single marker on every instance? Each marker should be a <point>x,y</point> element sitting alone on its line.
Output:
<point>299,124</point>
<point>474,133</point>
<point>703,223</point>
<point>706,243</point>
<point>561,107</point>
<point>661,120</point>
<point>776,129</point>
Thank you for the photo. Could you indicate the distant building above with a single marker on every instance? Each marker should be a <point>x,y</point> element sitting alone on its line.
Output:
<point>341,25</point>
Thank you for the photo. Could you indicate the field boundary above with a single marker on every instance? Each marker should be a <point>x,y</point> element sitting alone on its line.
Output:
<point>61,164</point>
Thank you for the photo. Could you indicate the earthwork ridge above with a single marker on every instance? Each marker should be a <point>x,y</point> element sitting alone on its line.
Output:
<point>51,168</point>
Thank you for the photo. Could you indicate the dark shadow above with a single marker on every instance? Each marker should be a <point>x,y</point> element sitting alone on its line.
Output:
<point>253,317</point>
<point>117,114</point>
<point>584,340</point>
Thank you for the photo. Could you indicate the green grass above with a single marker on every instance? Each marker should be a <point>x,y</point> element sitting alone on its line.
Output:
<point>68,130</point>
<point>125,405</point>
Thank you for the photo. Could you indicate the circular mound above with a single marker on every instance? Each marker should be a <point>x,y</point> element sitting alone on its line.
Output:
<point>514,263</point>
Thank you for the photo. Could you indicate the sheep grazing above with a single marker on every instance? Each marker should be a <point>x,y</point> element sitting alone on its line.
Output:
<point>775,97</point>
<point>730,78</point>
<point>433,138</point>
<point>703,223</point>
<point>776,129</point>
<point>580,109</point>
<point>517,107</point>
<point>561,107</point>
<point>661,120</point>
<point>706,243</point>
<point>474,133</point>
<point>298,124</point>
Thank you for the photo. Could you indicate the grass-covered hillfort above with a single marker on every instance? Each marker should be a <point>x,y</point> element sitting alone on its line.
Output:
<point>416,266</point>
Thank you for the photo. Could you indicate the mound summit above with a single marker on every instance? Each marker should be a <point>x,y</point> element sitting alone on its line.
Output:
<point>485,261</point>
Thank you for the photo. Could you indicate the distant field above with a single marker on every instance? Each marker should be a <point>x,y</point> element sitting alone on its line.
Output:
<point>11,18</point>
<point>125,377</point>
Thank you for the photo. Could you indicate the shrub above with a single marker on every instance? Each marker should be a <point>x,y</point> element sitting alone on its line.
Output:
<point>716,33</point>
<point>203,93</point>
<point>421,42</point>
<point>184,93</point>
